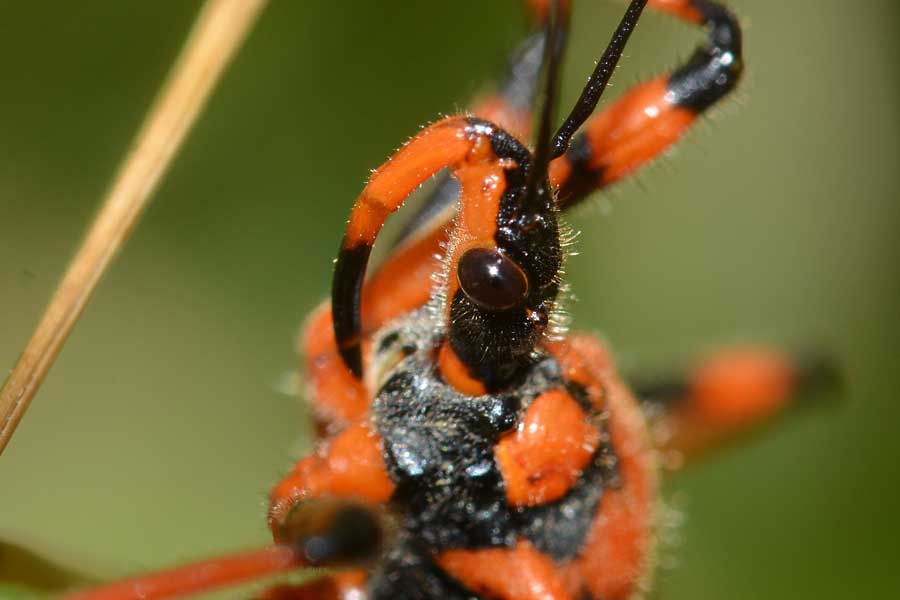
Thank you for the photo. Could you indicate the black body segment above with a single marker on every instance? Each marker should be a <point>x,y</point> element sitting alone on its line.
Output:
<point>439,450</point>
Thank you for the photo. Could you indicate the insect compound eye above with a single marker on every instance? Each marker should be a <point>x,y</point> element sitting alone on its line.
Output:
<point>490,279</point>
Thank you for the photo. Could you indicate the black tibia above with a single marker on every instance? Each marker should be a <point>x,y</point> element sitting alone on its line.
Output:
<point>715,68</point>
<point>518,89</point>
<point>497,345</point>
<point>345,298</point>
<point>439,451</point>
<point>660,393</point>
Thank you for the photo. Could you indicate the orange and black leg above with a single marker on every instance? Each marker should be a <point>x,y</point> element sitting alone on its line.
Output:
<point>335,339</point>
<point>729,393</point>
<point>502,233</point>
<point>510,105</point>
<point>506,253</point>
<point>325,513</point>
<point>405,280</point>
<point>649,119</point>
<point>349,465</point>
<point>329,509</point>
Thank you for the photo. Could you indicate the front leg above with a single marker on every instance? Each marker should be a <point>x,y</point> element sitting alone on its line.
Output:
<point>650,118</point>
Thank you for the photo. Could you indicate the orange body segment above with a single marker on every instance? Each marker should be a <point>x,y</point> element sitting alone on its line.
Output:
<point>351,465</point>
<point>617,552</point>
<point>456,373</point>
<point>544,457</point>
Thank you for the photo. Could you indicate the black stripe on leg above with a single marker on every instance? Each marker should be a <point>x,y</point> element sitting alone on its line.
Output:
<point>583,179</point>
<point>661,392</point>
<point>346,292</point>
<point>715,68</point>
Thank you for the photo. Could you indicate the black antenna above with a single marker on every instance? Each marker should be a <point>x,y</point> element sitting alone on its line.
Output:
<point>557,29</point>
<point>592,92</point>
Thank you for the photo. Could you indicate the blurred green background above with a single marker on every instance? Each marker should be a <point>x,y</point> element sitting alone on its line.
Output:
<point>160,430</point>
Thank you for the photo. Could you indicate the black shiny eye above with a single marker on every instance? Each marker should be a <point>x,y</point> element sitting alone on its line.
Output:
<point>490,279</point>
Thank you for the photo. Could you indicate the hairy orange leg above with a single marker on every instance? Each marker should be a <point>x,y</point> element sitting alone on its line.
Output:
<point>650,118</point>
<point>198,577</point>
<point>349,465</point>
<point>729,393</point>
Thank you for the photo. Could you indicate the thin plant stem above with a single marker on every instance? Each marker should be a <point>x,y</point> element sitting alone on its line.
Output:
<point>215,37</point>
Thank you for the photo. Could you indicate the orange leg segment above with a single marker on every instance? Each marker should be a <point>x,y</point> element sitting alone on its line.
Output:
<point>350,465</point>
<point>637,128</point>
<point>400,285</point>
<point>199,577</point>
<point>728,393</point>
<point>652,117</point>
<point>209,575</point>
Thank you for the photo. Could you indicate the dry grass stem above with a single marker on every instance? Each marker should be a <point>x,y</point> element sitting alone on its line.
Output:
<point>216,35</point>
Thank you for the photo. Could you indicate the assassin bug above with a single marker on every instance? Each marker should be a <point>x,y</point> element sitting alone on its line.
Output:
<point>569,384</point>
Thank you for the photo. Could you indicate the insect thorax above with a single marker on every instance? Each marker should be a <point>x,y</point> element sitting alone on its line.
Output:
<point>439,451</point>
